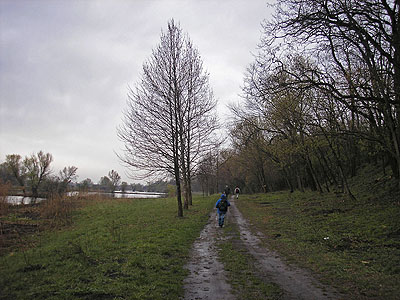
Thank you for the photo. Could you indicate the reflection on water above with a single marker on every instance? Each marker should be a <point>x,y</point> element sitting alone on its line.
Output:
<point>21,200</point>
<point>117,194</point>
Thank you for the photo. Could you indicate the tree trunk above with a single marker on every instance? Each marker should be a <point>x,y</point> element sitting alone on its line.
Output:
<point>396,43</point>
<point>345,184</point>
<point>288,179</point>
<point>328,164</point>
<point>185,194</point>
<point>35,193</point>
<point>189,191</point>
<point>327,180</point>
<point>313,175</point>
<point>179,197</point>
<point>299,183</point>
<point>178,185</point>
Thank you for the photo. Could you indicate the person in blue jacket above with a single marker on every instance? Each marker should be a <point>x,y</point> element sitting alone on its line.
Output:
<point>222,207</point>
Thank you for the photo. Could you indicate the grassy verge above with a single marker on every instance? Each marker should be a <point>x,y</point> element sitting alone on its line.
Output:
<point>353,245</point>
<point>246,280</point>
<point>115,249</point>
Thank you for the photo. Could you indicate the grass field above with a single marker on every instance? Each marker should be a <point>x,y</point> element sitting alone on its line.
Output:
<point>136,249</point>
<point>353,245</point>
<point>115,249</point>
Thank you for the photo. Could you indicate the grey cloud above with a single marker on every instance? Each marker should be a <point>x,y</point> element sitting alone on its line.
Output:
<point>65,67</point>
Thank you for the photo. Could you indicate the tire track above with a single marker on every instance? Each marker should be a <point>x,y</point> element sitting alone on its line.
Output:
<point>207,278</point>
<point>297,283</point>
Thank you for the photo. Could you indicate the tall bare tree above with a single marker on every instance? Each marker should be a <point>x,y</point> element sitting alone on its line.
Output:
<point>170,112</point>
<point>197,119</point>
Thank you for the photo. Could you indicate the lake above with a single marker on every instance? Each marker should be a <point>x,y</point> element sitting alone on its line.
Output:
<point>117,194</point>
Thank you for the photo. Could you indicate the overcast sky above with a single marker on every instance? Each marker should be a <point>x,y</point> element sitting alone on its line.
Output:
<point>65,66</point>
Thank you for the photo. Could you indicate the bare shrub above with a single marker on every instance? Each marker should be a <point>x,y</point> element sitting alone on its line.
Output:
<point>58,209</point>
<point>171,190</point>
<point>4,205</point>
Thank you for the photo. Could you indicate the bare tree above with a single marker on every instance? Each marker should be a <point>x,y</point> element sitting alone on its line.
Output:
<point>16,167</point>
<point>66,176</point>
<point>105,184</point>
<point>37,169</point>
<point>85,184</point>
<point>169,112</point>
<point>198,122</point>
<point>124,186</point>
<point>114,180</point>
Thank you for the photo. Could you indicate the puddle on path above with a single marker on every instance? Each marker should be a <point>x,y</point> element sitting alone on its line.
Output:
<point>207,278</point>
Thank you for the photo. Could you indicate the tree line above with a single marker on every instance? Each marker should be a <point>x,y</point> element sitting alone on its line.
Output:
<point>322,97</point>
<point>33,174</point>
<point>320,100</point>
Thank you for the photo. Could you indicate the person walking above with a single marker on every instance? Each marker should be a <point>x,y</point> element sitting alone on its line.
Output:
<point>237,192</point>
<point>227,191</point>
<point>222,208</point>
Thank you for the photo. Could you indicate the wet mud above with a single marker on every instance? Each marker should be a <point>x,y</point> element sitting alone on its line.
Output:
<point>207,279</point>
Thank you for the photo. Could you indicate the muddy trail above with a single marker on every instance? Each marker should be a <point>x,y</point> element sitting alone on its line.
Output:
<point>207,278</point>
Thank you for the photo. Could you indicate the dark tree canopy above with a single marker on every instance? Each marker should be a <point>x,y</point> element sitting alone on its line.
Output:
<point>323,94</point>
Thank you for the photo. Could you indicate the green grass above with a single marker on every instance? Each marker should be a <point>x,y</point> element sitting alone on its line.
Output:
<point>353,245</point>
<point>246,280</point>
<point>116,249</point>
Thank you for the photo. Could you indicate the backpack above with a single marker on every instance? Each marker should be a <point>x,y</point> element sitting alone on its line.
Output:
<point>223,205</point>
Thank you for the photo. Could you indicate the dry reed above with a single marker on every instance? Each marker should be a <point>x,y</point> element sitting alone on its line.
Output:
<point>58,209</point>
<point>4,205</point>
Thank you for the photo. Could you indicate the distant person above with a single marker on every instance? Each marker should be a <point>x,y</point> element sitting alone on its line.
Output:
<point>227,191</point>
<point>222,208</point>
<point>237,192</point>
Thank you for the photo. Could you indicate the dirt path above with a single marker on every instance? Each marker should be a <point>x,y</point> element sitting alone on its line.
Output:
<point>207,278</point>
<point>296,283</point>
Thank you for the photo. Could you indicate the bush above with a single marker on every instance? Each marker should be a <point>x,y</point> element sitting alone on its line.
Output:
<point>4,205</point>
<point>58,209</point>
<point>171,189</point>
